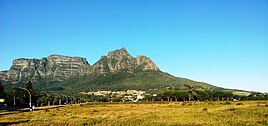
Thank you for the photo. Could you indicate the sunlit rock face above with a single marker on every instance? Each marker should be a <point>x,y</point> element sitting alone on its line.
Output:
<point>121,60</point>
<point>146,63</point>
<point>58,67</point>
<point>54,67</point>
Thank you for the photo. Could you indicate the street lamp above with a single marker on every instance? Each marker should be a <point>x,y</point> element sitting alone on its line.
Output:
<point>48,103</point>
<point>59,99</point>
<point>30,96</point>
<point>14,97</point>
<point>66,101</point>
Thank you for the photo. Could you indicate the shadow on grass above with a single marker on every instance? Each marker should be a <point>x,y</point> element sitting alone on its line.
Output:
<point>15,110</point>
<point>11,123</point>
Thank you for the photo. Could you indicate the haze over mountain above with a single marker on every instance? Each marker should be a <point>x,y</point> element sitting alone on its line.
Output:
<point>116,71</point>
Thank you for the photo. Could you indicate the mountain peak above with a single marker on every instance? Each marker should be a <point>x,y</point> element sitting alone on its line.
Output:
<point>121,60</point>
<point>123,48</point>
<point>118,54</point>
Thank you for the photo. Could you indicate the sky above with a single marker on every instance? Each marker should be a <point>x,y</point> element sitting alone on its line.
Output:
<point>221,42</point>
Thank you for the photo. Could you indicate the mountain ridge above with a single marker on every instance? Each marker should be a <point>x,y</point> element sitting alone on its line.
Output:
<point>58,67</point>
<point>117,70</point>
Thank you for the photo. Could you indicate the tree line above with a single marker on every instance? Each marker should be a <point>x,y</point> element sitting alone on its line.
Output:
<point>193,93</point>
<point>18,97</point>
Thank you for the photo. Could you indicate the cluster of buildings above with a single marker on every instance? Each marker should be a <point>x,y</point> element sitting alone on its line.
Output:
<point>129,95</point>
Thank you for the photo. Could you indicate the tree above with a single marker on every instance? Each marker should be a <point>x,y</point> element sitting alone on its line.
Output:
<point>19,96</point>
<point>175,94</point>
<point>183,95</point>
<point>217,94</point>
<point>168,95</point>
<point>202,95</point>
<point>30,87</point>
<point>55,100</point>
<point>2,92</point>
<point>228,95</point>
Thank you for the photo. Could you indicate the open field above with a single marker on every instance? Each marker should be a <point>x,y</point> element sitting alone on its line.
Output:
<point>174,113</point>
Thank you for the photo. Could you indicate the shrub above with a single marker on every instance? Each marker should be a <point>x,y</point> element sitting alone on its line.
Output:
<point>232,109</point>
<point>205,109</point>
<point>240,103</point>
<point>226,103</point>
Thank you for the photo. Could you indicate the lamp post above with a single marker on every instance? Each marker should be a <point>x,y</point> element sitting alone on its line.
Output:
<point>59,99</point>
<point>14,100</point>
<point>48,103</point>
<point>30,96</point>
<point>14,96</point>
<point>66,101</point>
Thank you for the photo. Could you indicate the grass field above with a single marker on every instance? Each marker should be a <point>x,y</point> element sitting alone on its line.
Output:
<point>175,113</point>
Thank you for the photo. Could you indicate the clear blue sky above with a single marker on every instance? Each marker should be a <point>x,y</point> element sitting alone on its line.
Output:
<point>222,42</point>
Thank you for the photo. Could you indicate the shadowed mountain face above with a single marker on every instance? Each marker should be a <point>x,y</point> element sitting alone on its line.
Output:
<point>60,68</point>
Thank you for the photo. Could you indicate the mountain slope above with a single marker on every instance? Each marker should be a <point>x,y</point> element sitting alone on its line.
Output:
<point>150,81</point>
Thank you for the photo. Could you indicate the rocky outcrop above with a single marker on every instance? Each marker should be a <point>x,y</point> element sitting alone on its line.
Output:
<point>144,63</point>
<point>2,75</point>
<point>121,60</point>
<point>54,67</point>
<point>58,68</point>
<point>63,67</point>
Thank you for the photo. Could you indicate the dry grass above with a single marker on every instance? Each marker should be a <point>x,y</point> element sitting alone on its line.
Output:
<point>176,113</point>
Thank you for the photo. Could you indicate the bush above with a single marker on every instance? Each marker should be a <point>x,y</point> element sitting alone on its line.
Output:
<point>226,103</point>
<point>240,103</point>
<point>205,109</point>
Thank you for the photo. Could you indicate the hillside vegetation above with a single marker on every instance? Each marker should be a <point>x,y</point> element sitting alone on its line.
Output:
<point>149,81</point>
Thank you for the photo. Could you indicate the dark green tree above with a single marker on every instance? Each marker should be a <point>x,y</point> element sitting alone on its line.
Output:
<point>217,94</point>
<point>2,92</point>
<point>202,95</point>
<point>29,87</point>
<point>183,95</point>
<point>19,96</point>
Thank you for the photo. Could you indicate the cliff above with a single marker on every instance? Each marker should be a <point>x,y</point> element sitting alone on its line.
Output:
<point>59,68</point>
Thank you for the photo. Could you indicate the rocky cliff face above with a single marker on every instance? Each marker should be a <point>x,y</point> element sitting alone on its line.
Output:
<point>58,68</point>
<point>144,63</point>
<point>121,60</point>
<point>2,75</point>
<point>54,67</point>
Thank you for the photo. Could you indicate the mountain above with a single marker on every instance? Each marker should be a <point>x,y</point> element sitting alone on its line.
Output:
<point>118,70</point>
<point>121,60</point>
<point>54,67</point>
